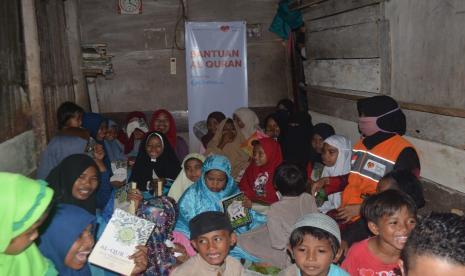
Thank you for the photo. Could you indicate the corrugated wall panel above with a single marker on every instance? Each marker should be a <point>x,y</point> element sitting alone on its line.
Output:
<point>57,78</point>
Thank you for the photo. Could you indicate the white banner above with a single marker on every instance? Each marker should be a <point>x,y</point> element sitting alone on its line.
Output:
<point>216,69</point>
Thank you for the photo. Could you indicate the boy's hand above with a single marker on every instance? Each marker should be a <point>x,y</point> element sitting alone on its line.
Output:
<point>247,203</point>
<point>140,259</point>
<point>348,212</point>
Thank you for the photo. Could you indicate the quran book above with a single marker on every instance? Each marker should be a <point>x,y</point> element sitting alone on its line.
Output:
<point>238,215</point>
<point>119,240</point>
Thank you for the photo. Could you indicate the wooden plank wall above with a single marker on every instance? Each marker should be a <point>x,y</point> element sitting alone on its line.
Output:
<point>57,77</point>
<point>14,108</point>
<point>344,46</point>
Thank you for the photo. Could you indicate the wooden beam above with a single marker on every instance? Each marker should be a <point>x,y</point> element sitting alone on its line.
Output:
<point>33,74</point>
<point>332,7</point>
<point>440,110</point>
<point>385,56</point>
<point>354,17</point>
<point>302,4</point>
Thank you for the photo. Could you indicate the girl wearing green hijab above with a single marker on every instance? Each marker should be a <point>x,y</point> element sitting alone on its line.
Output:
<point>23,208</point>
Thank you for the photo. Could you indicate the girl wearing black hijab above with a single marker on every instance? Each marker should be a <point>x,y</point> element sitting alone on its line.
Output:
<point>76,181</point>
<point>380,150</point>
<point>156,160</point>
<point>321,131</point>
<point>275,125</point>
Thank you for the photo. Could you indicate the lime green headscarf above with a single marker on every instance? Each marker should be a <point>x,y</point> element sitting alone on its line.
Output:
<point>22,203</point>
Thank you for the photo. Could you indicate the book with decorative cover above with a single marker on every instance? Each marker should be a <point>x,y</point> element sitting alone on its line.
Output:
<point>119,169</point>
<point>238,214</point>
<point>119,240</point>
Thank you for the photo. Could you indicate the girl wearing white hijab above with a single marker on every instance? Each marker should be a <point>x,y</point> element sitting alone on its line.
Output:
<point>190,173</point>
<point>247,121</point>
<point>336,155</point>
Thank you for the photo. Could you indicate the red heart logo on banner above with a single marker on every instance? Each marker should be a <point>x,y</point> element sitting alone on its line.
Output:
<point>224,28</point>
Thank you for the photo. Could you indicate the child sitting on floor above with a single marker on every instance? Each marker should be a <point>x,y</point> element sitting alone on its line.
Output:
<point>257,182</point>
<point>69,115</point>
<point>211,234</point>
<point>24,205</point>
<point>404,181</point>
<point>190,173</point>
<point>391,217</point>
<point>114,147</point>
<point>321,131</point>
<point>436,247</point>
<point>337,150</point>
<point>269,242</point>
<point>215,185</point>
<point>314,245</point>
<point>400,180</point>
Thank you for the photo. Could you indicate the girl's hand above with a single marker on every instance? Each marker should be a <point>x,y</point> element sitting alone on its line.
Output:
<point>136,196</point>
<point>140,259</point>
<point>247,203</point>
<point>99,152</point>
<point>179,248</point>
<point>316,186</point>
<point>131,161</point>
<point>225,139</point>
<point>117,184</point>
<point>348,212</point>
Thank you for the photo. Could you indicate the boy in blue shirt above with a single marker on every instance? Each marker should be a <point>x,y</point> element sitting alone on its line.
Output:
<point>315,245</point>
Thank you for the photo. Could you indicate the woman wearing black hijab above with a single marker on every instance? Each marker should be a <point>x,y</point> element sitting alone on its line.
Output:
<point>381,150</point>
<point>76,181</point>
<point>296,142</point>
<point>156,160</point>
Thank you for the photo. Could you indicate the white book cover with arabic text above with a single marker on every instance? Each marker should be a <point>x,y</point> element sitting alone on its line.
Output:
<point>119,240</point>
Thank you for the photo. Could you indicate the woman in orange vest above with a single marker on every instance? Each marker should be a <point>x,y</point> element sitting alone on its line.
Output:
<point>380,150</point>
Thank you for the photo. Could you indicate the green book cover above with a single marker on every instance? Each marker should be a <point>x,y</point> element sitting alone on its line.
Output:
<point>238,214</point>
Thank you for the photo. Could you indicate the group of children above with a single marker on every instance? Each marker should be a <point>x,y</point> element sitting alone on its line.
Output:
<point>314,200</point>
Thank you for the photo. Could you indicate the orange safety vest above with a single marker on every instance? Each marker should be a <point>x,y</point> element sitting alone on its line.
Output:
<point>369,166</point>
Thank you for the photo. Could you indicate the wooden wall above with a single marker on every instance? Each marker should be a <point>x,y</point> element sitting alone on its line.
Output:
<point>361,48</point>
<point>14,110</point>
<point>411,50</point>
<point>143,44</point>
<point>344,41</point>
<point>35,78</point>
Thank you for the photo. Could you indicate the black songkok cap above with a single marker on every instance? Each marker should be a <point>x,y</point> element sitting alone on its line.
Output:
<point>207,222</point>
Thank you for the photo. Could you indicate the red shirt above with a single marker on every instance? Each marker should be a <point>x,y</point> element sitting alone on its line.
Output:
<point>257,182</point>
<point>362,262</point>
